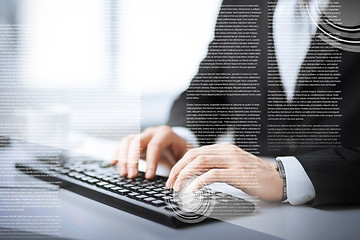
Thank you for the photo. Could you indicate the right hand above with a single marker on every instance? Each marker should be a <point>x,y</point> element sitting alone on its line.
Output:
<point>159,143</point>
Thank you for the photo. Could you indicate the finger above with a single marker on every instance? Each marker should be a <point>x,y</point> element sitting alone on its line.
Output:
<point>133,157</point>
<point>169,157</point>
<point>186,159</point>
<point>198,166</point>
<point>123,150</point>
<point>138,143</point>
<point>156,146</point>
<point>115,156</point>
<point>210,150</point>
<point>114,162</point>
<point>213,175</point>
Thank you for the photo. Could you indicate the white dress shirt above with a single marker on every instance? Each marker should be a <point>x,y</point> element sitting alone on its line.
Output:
<point>293,31</point>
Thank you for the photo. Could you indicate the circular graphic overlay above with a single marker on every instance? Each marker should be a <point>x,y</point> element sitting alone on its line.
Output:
<point>191,207</point>
<point>338,22</point>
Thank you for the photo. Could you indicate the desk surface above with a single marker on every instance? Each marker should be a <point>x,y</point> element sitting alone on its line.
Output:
<point>82,218</point>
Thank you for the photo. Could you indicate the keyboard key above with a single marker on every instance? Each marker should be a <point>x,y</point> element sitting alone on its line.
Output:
<point>135,188</point>
<point>99,176</point>
<point>72,174</point>
<point>64,171</point>
<point>151,193</point>
<point>167,198</point>
<point>140,197</point>
<point>158,203</point>
<point>100,184</point>
<point>78,176</point>
<point>109,186</point>
<point>149,199</point>
<point>107,178</point>
<point>166,192</point>
<point>77,169</point>
<point>142,190</point>
<point>86,178</point>
<point>123,191</point>
<point>132,194</point>
<point>159,195</point>
<point>120,183</point>
<point>93,180</point>
<point>115,189</point>
<point>115,180</point>
<point>91,173</point>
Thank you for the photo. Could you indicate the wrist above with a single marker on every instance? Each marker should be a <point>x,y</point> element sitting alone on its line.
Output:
<point>272,185</point>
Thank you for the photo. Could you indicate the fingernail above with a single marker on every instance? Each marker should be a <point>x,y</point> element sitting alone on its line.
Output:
<point>148,173</point>
<point>131,172</point>
<point>169,183</point>
<point>122,171</point>
<point>114,162</point>
<point>175,186</point>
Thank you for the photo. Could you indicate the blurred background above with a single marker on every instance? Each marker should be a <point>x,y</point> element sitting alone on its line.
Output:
<point>75,69</point>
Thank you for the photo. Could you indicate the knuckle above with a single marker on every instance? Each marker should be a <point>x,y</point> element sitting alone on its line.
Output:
<point>214,173</point>
<point>201,159</point>
<point>183,175</point>
<point>165,128</point>
<point>149,129</point>
<point>154,144</point>
<point>132,163</point>
<point>191,152</point>
<point>226,144</point>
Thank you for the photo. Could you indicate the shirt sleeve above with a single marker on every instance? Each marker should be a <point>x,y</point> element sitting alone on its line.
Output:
<point>187,135</point>
<point>300,189</point>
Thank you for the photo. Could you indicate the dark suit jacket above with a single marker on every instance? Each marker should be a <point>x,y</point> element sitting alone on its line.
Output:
<point>334,169</point>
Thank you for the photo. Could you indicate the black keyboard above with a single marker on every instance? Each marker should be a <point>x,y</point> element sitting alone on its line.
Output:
<point>146,198</point>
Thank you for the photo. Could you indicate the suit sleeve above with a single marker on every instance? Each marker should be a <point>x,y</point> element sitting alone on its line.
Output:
<point>335,174</point>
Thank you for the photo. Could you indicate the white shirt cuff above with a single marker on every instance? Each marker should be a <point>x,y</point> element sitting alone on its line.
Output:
<point>299,187</point>
<point>187,135</point>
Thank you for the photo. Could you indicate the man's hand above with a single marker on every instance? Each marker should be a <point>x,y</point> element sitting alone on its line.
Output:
<point>230,164</point>
<point>159,144</point>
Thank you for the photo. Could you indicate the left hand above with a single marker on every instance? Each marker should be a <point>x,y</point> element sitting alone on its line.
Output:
<point>230,164</point>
